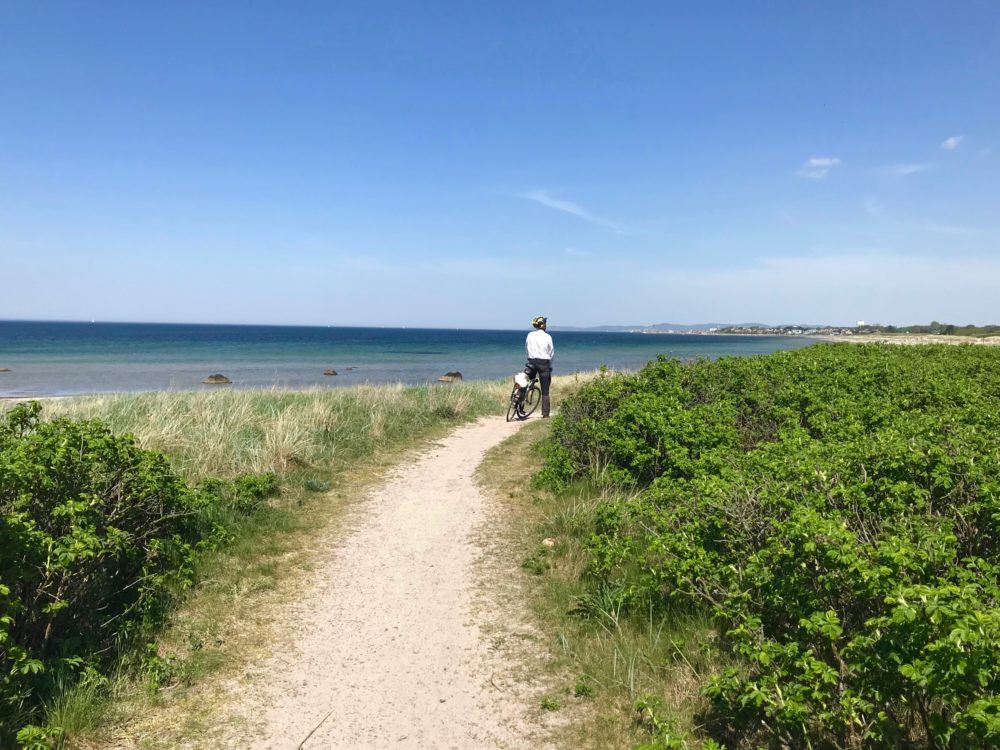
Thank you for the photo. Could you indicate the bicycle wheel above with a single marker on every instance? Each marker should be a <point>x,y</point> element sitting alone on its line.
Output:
<point>530,402</point>
<point>513,412</point>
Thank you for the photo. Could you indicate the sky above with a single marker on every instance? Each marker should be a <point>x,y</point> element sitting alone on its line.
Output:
<point>473,165</point>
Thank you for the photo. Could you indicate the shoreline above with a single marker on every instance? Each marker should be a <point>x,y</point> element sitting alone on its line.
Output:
<point>20,399</point>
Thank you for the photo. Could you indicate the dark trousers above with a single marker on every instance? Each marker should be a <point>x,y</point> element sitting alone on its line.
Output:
<point>542,368</point>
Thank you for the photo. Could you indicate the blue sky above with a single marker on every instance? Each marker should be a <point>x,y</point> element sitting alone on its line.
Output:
<point>473,165</point>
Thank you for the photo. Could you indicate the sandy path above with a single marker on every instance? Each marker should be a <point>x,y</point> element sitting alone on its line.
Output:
<point>389,648</point>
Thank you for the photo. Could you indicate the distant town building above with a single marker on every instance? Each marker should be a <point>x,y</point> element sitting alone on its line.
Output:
<point>860,323</point>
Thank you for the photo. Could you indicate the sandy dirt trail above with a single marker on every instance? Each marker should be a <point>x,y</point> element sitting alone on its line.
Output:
<point>389,646</point>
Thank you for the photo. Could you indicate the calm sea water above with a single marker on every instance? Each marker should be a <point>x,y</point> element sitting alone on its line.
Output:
<point>71,358</point>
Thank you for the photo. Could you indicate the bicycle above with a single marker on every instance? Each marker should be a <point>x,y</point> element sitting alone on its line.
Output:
<point>524,401</point>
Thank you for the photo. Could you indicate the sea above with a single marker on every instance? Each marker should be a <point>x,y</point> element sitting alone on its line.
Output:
<point>58,359</point>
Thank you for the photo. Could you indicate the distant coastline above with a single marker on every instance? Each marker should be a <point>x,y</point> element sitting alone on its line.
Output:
<point>932,333</point>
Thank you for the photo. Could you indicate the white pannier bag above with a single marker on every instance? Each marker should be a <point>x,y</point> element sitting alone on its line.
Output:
<point>521,379</point>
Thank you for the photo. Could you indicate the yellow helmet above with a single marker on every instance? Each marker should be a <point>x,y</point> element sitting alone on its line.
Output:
<point>539,321</point>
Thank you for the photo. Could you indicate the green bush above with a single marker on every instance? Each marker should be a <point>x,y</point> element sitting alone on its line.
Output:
<point>96,536</point>
<point>837,511</point>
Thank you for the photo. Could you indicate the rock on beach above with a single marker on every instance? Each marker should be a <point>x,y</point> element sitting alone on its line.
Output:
<point>217,379</point>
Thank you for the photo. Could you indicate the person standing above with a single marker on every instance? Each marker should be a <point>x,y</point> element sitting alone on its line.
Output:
<point>540,351</point>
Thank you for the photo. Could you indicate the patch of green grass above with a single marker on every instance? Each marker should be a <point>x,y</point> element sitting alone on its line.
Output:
<point>550,704</point>
<point>536,562</point>
<point>80,706</point>
<point>583,688</point>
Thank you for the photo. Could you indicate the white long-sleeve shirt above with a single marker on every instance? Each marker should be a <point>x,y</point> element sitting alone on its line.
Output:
<point>538,345</point>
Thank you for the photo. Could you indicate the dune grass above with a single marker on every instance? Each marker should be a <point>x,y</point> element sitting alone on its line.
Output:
<point>225,433</point>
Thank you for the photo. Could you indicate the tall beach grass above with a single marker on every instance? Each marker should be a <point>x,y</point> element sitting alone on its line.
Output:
<point>225,433</point>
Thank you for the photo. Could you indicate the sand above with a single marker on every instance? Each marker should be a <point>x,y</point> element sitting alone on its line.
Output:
<point>390,646</point>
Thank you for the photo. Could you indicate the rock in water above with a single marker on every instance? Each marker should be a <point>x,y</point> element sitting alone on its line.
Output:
<point>331,371</point>
<point>450,377</point>
<point>217,379</point>
<point>4,369</point>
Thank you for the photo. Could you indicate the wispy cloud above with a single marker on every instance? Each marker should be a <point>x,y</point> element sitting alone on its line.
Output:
<point>818,167</point>
<point>543,197</point>
<point>902,170</point>
<point>953,229</point>
<point>952,142</point>
<point>874,208</point>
